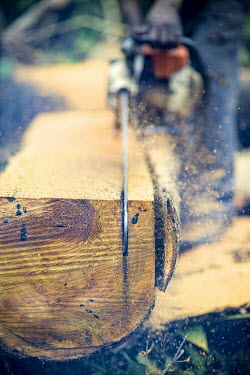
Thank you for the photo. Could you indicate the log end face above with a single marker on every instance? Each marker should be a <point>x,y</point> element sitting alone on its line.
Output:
<point>65,289</point>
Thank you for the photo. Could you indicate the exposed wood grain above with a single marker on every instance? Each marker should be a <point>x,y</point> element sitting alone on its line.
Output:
<point>208,279</point>
<point>83,85</point>
<point>64,282</point>
<point>163,165</point>
<point>66,289</point>
<point>65,154</point>
<point>242,178</point>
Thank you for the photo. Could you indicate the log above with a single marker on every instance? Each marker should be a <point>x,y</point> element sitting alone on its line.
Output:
<point>82,85</point>
<point>242,178</point>
<point>66,289</point>
<point>208,279</point>
<point>163,166</point>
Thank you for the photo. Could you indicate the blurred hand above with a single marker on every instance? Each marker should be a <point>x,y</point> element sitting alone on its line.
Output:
<point>163,26</point>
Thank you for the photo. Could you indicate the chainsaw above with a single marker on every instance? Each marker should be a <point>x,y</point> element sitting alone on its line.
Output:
<point>161,81</point>
<point>152,87</point>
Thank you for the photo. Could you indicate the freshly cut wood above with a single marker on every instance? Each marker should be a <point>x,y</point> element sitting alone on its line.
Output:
<point>242,178</point>
<point>162,163</point>
<point>66,288</point>
<point>208,279</point>
<point>82,85</point>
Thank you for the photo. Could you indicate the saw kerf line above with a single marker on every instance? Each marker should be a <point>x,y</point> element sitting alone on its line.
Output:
<point>124,101</point>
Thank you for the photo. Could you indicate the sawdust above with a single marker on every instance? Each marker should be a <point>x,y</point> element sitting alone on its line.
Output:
<point>82,85</point>
<point>208,278</point>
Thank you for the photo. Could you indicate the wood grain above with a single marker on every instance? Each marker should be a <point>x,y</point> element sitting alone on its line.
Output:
<point>163,166</point>
<point>66,290</point>
<point>75,154</point>
<point>83,85</point>
<point>64,284</point>
<point>208,279</point>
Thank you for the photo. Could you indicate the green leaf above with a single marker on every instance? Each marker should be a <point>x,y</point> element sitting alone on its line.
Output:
<point>197,336</point>
<point>198,361</point>
<point>133,367</point>
<point>237,316</point>
<point>188,372</point>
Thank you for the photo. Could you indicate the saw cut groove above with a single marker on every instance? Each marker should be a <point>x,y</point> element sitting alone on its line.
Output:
<point>66,289</point>
<point>125,232</point>
<point>166,231</point>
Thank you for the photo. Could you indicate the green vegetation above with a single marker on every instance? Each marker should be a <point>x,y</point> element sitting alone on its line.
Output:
<point>213,344</point>
<point>245,53</point>
<point>77,27</point>
<point>66,34</point>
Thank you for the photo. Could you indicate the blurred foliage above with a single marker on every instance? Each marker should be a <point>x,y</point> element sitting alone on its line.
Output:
<point>6,68</point>
<point>75,44</point>
<point>12,9</point>
<point>245,51</point>
<point>80,26</point>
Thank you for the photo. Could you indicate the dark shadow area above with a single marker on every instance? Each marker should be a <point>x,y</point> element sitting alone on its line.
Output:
<point>215,343</point>
<point>243,115</point>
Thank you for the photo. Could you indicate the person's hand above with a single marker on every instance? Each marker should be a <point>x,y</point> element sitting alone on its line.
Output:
<point>163,26</point>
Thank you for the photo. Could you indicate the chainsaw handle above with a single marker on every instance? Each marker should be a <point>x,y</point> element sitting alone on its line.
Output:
<point>140,39</point>
<point>132,46</point>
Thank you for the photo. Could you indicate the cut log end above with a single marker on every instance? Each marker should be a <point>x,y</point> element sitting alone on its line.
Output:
<point>66,288</point>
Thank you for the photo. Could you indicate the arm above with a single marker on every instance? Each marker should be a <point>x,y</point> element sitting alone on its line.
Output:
<point>162,22</point>
<point>131,11</point>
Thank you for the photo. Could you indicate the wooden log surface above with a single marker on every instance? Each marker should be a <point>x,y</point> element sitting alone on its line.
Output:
<point>64,155</point>
<point>83,85</point>
<point>207,279</point>
<point>66,289</point>
<point>64,282</point>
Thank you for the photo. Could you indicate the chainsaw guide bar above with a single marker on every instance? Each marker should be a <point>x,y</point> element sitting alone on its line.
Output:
<point>124,103</point>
